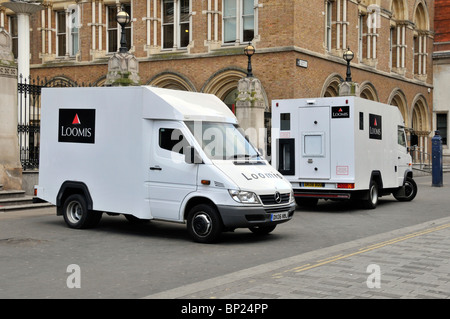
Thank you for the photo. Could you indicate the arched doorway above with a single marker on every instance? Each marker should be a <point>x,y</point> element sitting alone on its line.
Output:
<point>420,122</point>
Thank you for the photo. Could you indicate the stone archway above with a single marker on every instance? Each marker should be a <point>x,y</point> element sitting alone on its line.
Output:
<point>398,99</point>
<point>421,127</point>
<point>172,80</point>
<point>331,86</point>
<point>368,91</point>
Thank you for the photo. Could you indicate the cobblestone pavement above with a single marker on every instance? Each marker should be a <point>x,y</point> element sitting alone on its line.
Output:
<point>412,262</point>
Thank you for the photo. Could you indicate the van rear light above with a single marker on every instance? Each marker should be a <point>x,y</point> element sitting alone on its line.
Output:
<point>346,185</point>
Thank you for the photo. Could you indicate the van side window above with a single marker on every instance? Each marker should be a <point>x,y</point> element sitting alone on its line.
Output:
<point>401,136</point>
<point>285,121</point>
<point>172,140</point>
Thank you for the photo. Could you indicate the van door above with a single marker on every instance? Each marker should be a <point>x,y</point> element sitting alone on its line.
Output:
<point>314,125</point>
<point>170,178</point>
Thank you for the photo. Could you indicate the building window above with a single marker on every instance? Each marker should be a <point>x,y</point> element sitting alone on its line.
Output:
<point>441,126</point>
<point>13,33</point>
<point>398,40</point>
<point>336,25</point>
<point>61,33</point>
<point>168,21</point>
<point>67,37</point>
<point>184,23</point>
<point>175,23</point>
<point>74,24</point>
<point>113,29</point>
<point>238,21</point>
<point>368,34</point>
<point>329,25</point>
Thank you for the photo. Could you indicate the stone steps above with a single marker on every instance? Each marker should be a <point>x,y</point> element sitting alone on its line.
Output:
<point>11,200</point>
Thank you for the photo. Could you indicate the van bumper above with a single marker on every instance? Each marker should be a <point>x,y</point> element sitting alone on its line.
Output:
<point>242,216</point>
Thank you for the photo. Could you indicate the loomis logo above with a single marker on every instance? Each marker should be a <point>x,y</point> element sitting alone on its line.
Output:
<point>76,126</point>
<point>340,112</point>
<point>375,129</point>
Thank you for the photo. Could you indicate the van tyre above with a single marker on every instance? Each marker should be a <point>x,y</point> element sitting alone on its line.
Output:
<point>76,215</point>
<point>204,223</point>
<point>371,201</point>
<point>410,191</point>
<point>262,230</point>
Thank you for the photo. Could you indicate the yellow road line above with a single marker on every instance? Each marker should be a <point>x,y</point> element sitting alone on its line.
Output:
<point>363,250</point>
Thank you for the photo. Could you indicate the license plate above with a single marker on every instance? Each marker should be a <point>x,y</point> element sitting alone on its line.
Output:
<point>313,185</point>
<point>279,216</point>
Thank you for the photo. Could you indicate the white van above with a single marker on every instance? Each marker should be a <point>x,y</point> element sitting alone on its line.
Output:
<point>152,153</point>
<point>341,148</point>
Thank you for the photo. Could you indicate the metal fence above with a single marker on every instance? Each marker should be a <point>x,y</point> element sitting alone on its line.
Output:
<point>28,128</point>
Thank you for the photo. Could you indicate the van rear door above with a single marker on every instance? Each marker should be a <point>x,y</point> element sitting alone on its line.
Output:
<point>314,126</point>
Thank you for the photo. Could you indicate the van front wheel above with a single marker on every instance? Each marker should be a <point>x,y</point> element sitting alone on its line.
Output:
<point>204,223</point>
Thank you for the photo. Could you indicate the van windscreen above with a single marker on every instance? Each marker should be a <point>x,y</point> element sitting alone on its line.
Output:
<point>224,141</point>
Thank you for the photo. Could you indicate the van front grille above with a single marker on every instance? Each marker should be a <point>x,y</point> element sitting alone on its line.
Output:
<point>271,199</point>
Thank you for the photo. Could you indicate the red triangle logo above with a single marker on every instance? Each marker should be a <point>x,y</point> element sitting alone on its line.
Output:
<point>76,120</point>
<point>375,122</point>
<point>340,110</point>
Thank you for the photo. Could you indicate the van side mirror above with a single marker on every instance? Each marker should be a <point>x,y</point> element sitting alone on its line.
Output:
<point>191,156</point>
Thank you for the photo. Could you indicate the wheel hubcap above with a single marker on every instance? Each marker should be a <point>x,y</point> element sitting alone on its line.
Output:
<point>374,195</point>
<point>201,224</point>
<point>408,189</point>
<point>74,212</point>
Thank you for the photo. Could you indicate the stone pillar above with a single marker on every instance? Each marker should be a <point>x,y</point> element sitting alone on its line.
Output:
<point>123,70</point>
<point>349,89</point>
<point>10,167</point>
<point>250,109</point>
<point>23,9</point>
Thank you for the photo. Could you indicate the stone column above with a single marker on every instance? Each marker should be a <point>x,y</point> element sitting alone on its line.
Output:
<point>10,167</point>
<point>250,107</point>
<point>349,89</point>
<point>23,9</point>
<point>123,70</point>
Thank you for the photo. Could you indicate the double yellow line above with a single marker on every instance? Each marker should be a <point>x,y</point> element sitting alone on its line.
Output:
<point>361,250</point>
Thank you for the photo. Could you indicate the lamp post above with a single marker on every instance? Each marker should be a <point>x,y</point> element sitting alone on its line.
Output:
<point>123,19</point>
<point>249,51</point>
<point>348,56</point>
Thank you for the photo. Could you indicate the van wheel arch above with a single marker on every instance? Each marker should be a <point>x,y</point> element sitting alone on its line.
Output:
<point>376,177</point>
<point>69,188</point>
<point>194,202</point>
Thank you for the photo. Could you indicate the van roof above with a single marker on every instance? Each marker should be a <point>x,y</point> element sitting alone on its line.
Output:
<point>186,106</point>
<point>157,103</point>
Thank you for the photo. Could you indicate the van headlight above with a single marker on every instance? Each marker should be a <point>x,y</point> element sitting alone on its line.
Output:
<point>292,197</point>
<point>244,196</point>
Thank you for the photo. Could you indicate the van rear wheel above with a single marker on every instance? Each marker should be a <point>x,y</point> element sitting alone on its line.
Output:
<point>204,223</point>
<point>76,214</point>
<point>371,201</point>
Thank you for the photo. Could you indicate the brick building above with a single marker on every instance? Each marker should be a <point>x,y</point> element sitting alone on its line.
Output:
<point>197,45</point>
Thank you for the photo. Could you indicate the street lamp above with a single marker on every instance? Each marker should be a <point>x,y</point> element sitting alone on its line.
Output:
<point>348,56</point>
<point>249,51</point>
<point>123,19</point>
